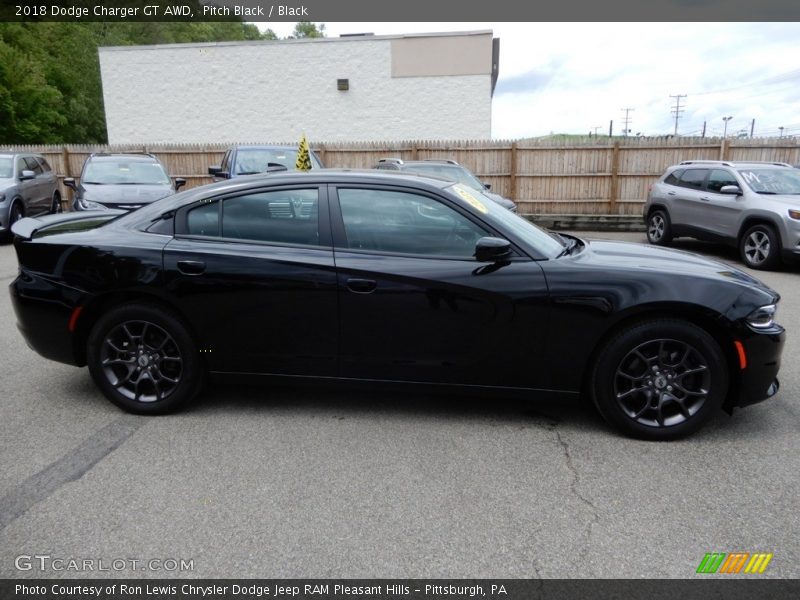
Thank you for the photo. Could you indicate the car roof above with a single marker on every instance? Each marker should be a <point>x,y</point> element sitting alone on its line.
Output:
<point>732,164</point>
<point>314,177</point>
<point>128,156</point>
<point>265,147</point>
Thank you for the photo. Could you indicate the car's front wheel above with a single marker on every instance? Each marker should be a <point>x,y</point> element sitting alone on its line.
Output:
<point>143,359</point>
<point>660,379</point>
<point>760,247</point>
<point>659,228</point>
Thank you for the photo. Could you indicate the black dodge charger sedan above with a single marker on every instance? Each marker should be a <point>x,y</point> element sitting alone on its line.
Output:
<point>384,278</point>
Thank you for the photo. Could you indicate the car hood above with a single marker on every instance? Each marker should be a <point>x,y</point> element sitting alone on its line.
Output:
<point>126,194</point>
<point>790,200</point>
<point>630,256</point>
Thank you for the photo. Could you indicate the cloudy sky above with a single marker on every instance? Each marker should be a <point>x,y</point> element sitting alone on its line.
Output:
<point>575,77</point>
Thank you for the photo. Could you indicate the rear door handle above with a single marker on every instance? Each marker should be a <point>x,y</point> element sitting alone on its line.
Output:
<point>670,193</point>
<point>705,198</point>
<point>361,286</point>
<point>191,267</point>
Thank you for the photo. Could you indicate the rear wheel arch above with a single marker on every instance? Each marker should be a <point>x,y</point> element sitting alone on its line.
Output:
<point>98,306</point>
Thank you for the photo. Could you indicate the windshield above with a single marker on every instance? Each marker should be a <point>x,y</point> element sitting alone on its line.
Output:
<point>451,173</point>
<point>5,167</point>
<point>124,172</point>
<point>772,181</point>
<point>256,160</point>
<point>544,242</point>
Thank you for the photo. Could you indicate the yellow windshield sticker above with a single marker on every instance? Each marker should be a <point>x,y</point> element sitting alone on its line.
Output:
<point>470,198</point>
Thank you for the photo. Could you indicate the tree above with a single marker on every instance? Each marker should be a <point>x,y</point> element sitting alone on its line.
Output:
<point>307,29</point>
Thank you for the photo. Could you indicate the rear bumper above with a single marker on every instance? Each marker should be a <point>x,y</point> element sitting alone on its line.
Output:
<point>759,379</point>
<point>43,311</point>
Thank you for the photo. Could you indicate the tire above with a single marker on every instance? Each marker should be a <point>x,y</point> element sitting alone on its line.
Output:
<point>15,213</point>
<point>659,228</point>
<point>150,345</point>
<point>55,207</point>
<point>660,379</point>
<point>760,247</point>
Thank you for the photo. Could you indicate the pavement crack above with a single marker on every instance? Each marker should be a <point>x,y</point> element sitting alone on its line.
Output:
<point>70,467</point>
<point>574,487</point>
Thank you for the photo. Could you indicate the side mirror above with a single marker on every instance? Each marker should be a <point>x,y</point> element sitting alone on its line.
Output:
<point>26,174</point>
<point>488,186</point>
<point>223,175</point>
<point>70,183</point>
<point>214,170</point>
<point>179,183</point>
<point>733,190</point>
<point>492,249</point>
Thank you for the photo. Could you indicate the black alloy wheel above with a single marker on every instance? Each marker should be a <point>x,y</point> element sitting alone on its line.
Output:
<point>660,379</point>
<point>143,359</point>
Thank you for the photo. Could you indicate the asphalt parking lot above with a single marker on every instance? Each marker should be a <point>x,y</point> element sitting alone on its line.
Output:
<point>265,482</point>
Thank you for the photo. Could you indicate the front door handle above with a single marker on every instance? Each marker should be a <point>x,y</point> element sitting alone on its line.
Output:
<point>670,193</point>
<point>705,198</point>
<point>191,267</point>
<point>361,286</point>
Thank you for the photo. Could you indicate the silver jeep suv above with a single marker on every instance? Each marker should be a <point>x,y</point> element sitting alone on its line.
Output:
<point>752,205</point>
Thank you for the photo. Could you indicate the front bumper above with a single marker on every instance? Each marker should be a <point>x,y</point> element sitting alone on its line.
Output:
<point>758,381</point>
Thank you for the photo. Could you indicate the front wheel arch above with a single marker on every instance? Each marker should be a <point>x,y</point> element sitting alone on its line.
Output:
<point>706,320</point>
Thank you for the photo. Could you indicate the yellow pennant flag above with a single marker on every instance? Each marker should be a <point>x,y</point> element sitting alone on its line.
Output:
<point>303,162</point>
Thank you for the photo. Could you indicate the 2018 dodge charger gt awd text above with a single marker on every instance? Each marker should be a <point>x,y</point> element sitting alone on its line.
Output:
<point>389,278</point>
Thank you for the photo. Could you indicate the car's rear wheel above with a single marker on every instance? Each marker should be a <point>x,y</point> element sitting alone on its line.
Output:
<point>659,228</point>
<point>760,247</point>
<point>55,206</point>
<point>660,379</point>
<point>143,359</point>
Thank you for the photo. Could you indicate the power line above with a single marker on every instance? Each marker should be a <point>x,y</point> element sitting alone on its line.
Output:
<point>677,110</point>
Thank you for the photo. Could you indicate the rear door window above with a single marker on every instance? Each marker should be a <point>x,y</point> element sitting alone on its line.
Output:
<point>693,178</point>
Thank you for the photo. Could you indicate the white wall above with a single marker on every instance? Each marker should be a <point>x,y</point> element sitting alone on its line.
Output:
<point>275,91</point>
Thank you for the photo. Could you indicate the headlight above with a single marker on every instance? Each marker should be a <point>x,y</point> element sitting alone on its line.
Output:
<point>89,205</point>
<point>762,318</point>
<point>795,214</point>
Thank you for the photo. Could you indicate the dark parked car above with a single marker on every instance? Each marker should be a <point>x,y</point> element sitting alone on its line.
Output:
<point>389,278</point>
<point>249,160</point>
<point>446,169</point>
<point>28,186</point>
<point>121,181</point>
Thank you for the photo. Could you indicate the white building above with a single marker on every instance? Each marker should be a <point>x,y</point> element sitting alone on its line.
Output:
<point>351,88</point>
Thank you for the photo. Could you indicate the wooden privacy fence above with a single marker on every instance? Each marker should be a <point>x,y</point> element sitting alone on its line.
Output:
<point>590,176</point>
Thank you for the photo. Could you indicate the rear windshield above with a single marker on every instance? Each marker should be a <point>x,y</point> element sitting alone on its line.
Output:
<point>449,172</point>
<point>124,172</point>
<point>772,181</point>
<point>6,167</point>
<point>256,160</point>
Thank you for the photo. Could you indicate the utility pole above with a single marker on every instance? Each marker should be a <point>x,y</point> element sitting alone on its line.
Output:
<point>595,130</point>
<point>627,121</point>
<point>611,128</point>
<point>704,129</point>
<point>677,110</point>
<point>725,131</point>
<point>752,127</point>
